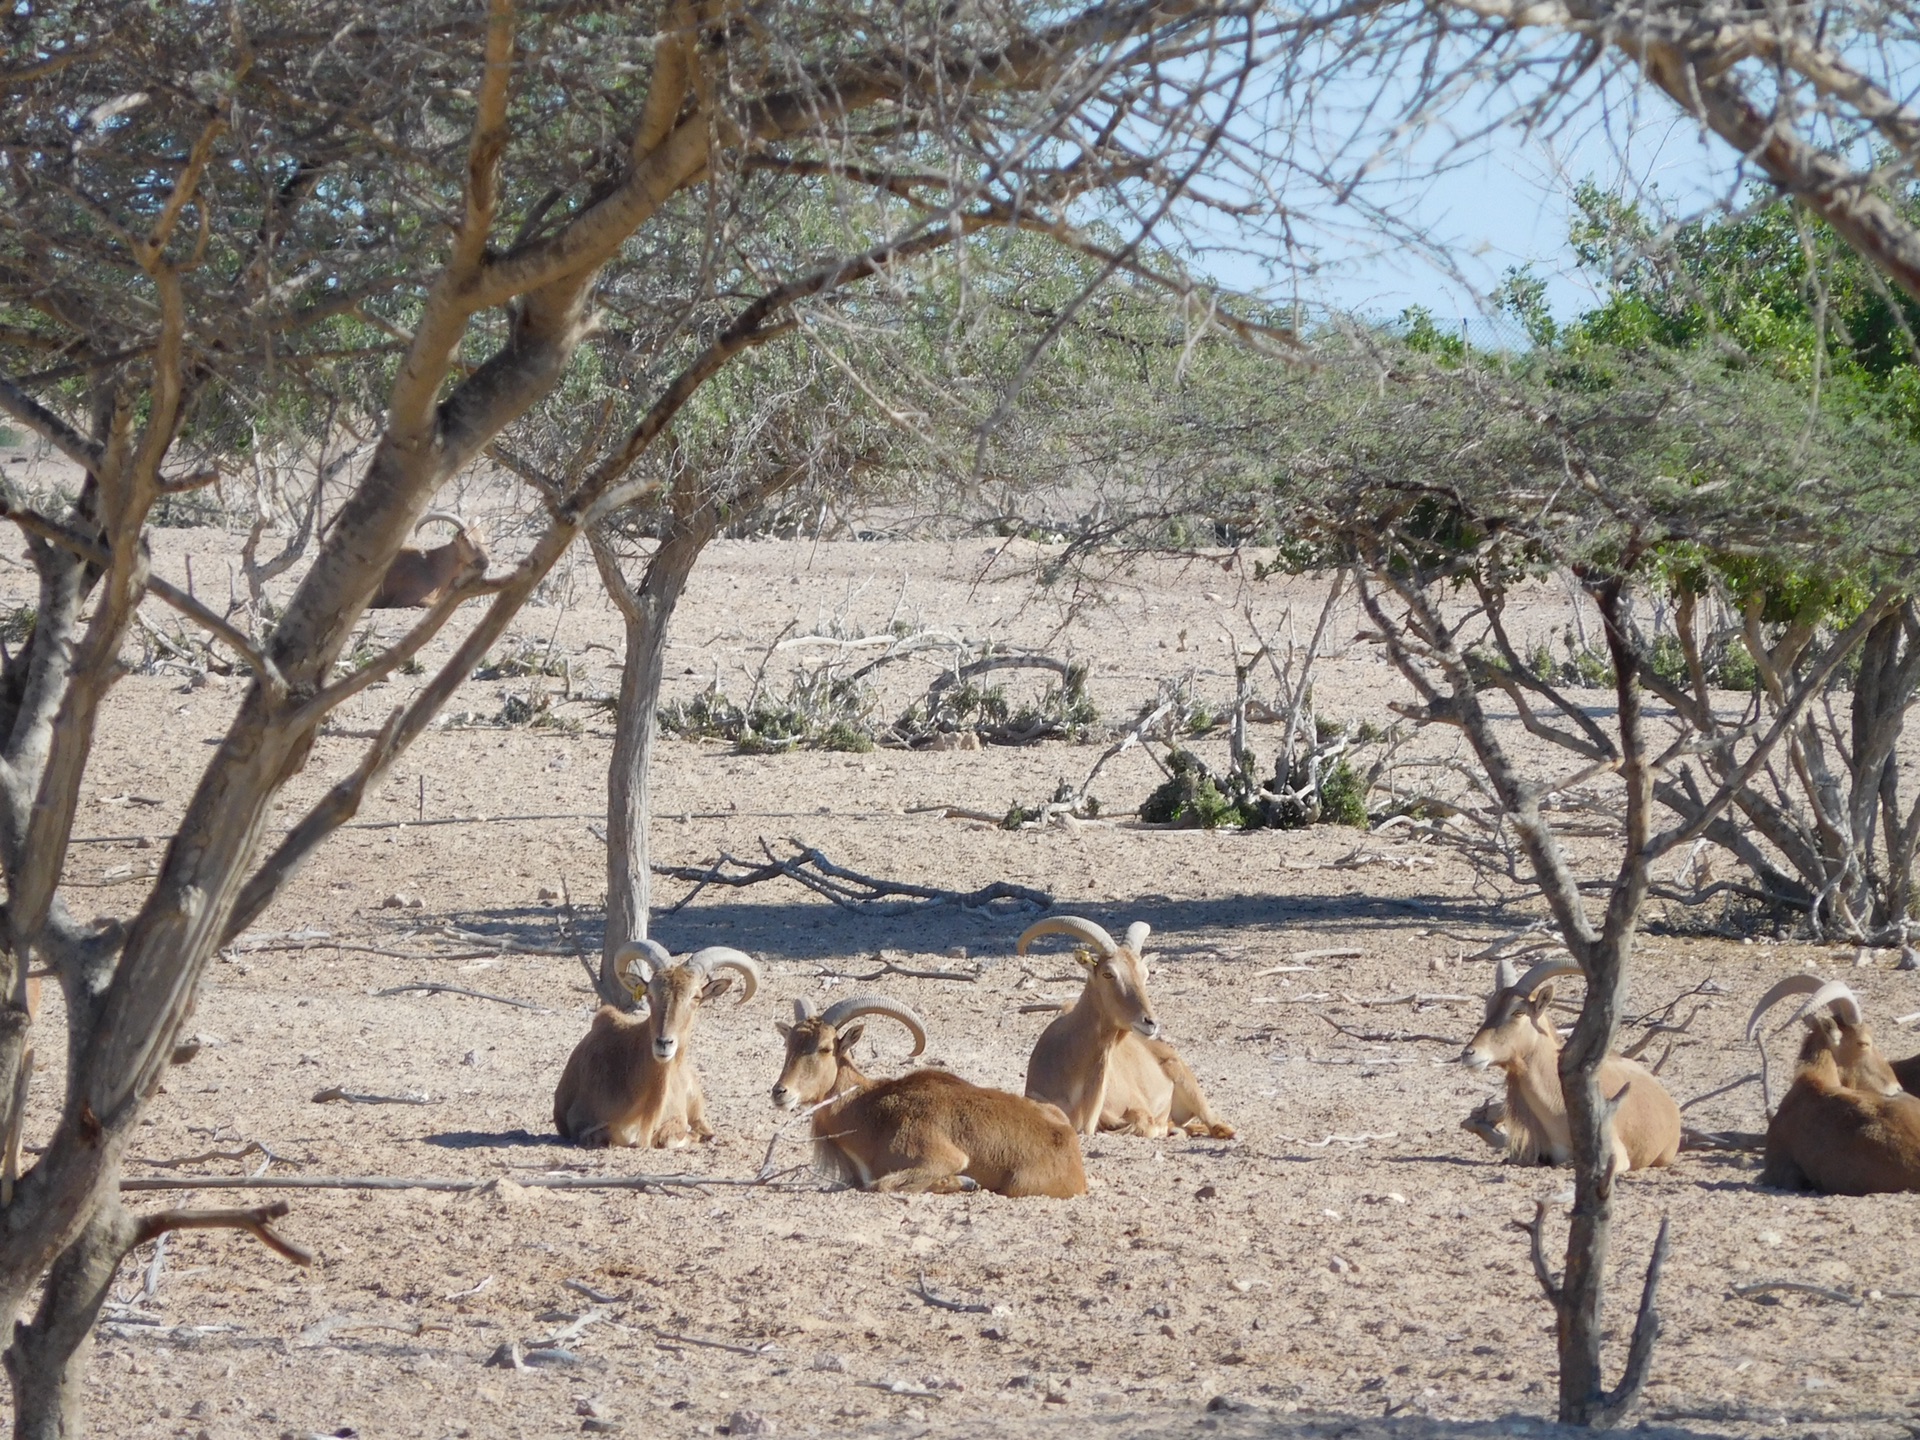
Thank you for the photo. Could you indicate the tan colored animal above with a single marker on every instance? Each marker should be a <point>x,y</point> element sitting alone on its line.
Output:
<point>423,577</point>
<point>630,1081</point>
<point>1845,1125</point>
<point>1102,1061</point>
<point>1518,1037</point>
<point>924,1131</point>
<point>1906,1073</point>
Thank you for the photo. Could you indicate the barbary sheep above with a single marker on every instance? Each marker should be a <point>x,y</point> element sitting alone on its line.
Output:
<point>924,1131</point>
<point>1102,1061</point>
<point>1518,1036</point>
<point>1845,1125</point>
<point>423,577</point>
<point>630,1081</point>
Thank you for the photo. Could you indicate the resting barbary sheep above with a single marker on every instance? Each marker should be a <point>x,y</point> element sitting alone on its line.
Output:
<point>1102,1061</point>
<point>1845,1125</point>
<point>630,1081</point>
<point>1518,1036</point>
<point>926,1130</point>
<point>423,577</point>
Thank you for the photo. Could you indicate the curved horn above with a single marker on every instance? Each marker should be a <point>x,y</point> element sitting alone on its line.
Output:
<point>802,1009</point>
<point>1792,985</point>
<point>643,957</point>
<point>1067,925</point>
<point>1837,997</point>
<point>841,1011</point>
<point>1547,970</point>
<point>445,516</point>
<point>1137,937</point>
<point>725,957</point>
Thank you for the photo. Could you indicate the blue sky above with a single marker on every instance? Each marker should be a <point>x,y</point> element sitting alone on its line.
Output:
<point>1491,198</point>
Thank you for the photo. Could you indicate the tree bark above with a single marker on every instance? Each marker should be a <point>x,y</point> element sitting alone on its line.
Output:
<point>46,1361</point>
<point>647,613</point>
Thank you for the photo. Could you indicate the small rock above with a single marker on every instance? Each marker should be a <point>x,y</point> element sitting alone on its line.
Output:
<point>830,1362</point>
<point>1243,1286</point>
<point>591,1406</point>
<point>1340,1265</point>
<point>1220,1403</point>
<point>471,1058</point>
<point>1054,1397</point>
<point>1233,1357</point>
<point>552,1357</point>
<point>199,1410</point>
<point>993,1332</point>
<point>594,1425</point>
<point>507,1357</point>
<point>1167,1330</point>
<point>546,894</point>
<point>1206,1192</point>
<point>750,1422</point>
<point>400,900</point>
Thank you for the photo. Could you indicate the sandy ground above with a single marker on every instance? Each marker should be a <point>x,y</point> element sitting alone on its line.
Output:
<point>1348,1266</point>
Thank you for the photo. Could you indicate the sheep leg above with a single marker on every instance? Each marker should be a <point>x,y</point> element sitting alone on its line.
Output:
<point>1139,1122</point>
<point>938,1172</point>
<point>672,1134</point>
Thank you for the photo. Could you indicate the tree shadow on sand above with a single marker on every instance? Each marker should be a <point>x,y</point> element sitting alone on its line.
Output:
<point>811,929</point>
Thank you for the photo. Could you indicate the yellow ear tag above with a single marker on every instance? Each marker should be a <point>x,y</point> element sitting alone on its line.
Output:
<point>1088,960</point>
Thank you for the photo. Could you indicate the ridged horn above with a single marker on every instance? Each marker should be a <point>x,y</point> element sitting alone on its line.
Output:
<point>642,957</point>
<point>841,1011</point>
<point>1506,975</point>
<point>1072,925</point>
<point>802,1009</point>
<point>1547,970</point>
<point>1836,997</point>
<point>446,517</point>
<point>1137,934</point>
<point>725,957</point>
<point>1801,984</point>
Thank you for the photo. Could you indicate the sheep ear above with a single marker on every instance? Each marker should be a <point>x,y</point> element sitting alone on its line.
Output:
<point>1540,999</point>
<point>786,1030</point>
<point>715,988</point>
<point>848,1038</point>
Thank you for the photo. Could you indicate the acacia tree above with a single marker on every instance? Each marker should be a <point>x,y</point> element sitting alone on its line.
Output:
<point>201,206</point>
<point>1458,485</point>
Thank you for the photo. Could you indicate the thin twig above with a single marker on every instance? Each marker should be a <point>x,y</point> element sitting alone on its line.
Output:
<point>334,1092</point>
<point>942,1303</point>
<point>441,1183</point>
<point>1389,1037</point>
<point>434,987</point>
<point>769,1348</point>
<point>1758,1288</point>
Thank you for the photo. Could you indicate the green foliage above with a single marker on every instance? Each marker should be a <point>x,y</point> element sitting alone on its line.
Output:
<point>16,625</point>
<point>1189,796</point>
<point>1343,797</point>
<point>523,660</point>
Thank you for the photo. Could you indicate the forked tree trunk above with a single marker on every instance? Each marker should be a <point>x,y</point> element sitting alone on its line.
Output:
<point>647,612</point>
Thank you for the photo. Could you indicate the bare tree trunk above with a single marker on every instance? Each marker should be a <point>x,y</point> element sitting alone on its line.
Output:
<point>647,612</point>
<point>46,1361</point>
<point>1578,1307</point>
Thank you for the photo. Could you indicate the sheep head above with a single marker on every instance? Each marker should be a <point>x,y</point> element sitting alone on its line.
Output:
<point>1116,973</point>
<point>675,989</point>
<point>1517,1026</point>
<point>819,1046</point>
<point>1836,1030</point>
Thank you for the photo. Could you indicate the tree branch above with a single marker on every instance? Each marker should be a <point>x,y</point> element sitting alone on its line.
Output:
<point>255,1221</point>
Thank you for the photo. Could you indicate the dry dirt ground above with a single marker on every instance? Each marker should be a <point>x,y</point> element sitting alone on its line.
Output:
<point>1348,1266</point>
